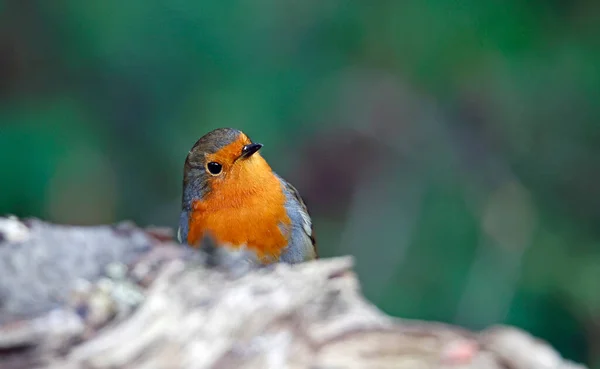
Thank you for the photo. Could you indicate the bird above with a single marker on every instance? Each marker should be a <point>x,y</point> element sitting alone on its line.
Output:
<point>231,194</point>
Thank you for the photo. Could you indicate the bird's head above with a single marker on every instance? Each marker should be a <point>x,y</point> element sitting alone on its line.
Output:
<point>223,162</point>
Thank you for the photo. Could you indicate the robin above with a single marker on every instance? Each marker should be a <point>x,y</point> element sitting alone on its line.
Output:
<point>231,194</point>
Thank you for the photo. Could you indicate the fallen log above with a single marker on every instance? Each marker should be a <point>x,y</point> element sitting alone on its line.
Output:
<point>125,297</point>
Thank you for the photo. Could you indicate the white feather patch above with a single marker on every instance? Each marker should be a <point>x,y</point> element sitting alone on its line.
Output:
<point>306,222</point>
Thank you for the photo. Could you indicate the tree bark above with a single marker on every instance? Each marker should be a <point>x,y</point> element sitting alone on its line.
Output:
<point>168,307</point>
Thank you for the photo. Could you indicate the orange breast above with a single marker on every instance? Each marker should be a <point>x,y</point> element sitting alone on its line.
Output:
<point>244,211</point>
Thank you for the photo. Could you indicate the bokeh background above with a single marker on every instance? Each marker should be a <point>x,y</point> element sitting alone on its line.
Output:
<point>452,147</point>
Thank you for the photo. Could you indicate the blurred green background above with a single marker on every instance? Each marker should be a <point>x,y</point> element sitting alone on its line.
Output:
<point>452,147</point>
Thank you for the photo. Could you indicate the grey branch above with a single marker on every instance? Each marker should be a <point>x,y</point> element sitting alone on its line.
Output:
<point>125,297</point>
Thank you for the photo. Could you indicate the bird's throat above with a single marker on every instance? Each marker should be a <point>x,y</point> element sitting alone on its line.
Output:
<point>246,209</point>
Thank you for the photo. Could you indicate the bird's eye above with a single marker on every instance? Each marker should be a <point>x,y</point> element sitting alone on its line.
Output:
<point>214,168</point>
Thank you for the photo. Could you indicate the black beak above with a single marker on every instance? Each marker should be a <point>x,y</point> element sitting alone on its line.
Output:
<point>250,149</point>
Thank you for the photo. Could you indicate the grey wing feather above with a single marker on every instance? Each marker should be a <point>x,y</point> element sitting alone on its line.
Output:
<point>306,221</point>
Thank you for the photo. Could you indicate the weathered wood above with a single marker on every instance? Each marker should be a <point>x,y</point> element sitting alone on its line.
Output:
<point>310,315</point>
